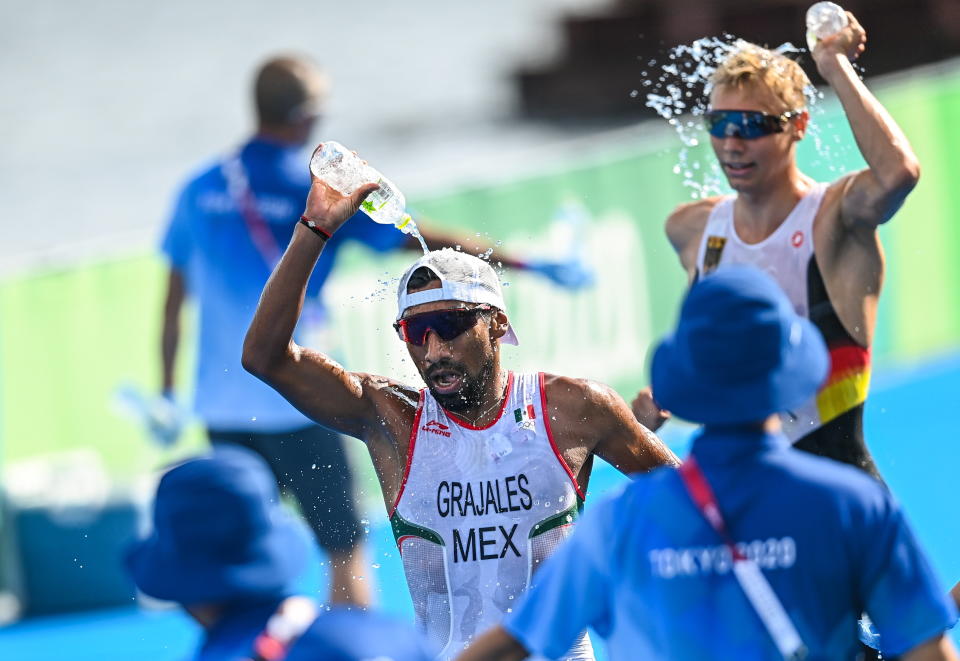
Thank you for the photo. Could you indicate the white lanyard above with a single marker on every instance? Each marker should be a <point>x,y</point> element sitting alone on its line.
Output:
<point>754,584</point>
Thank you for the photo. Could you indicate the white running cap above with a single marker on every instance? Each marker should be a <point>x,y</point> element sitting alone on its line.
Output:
<point>463,278</point>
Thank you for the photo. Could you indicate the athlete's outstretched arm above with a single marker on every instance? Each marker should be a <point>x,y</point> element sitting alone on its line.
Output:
<point>311,381</point>
<point>624,442</point>
<point>496,644</point>
<point>871,196</point>
<point>595,417</point>
<point>940,648</point>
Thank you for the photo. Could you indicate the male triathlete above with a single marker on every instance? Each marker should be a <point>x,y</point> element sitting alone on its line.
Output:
<point>227,231</point>
<point>483,471</point>
<point>819,241</point>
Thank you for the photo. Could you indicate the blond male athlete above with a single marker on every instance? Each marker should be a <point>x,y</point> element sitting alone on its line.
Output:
<point>818,240</point>
<point>484,470</point>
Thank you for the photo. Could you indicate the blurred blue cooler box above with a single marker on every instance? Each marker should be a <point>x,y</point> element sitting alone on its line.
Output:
<point>71,558</point>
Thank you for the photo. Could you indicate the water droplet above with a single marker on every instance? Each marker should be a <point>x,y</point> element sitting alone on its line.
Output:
<point>375,565</point>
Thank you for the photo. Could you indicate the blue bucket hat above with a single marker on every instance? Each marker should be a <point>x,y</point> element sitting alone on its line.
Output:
<point>219,534</point>
<point>739,353</point>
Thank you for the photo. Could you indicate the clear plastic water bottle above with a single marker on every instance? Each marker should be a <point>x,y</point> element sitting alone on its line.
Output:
<point>344,171</point>
<point>824,19</point>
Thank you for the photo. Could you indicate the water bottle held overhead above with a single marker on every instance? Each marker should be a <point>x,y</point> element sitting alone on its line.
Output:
<point>824,19</point>
<point>339,168</point>
<point>344,171</point>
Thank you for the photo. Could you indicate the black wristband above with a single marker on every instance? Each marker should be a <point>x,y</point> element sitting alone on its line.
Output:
<point>312,226</point>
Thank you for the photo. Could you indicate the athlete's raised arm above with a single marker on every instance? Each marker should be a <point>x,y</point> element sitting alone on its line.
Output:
<point>873,195</point>
<point>310,380</point>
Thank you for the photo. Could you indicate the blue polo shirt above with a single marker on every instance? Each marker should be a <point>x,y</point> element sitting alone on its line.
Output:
<point>650,575</point>
<point>208,242</point>
<point>231,638</point>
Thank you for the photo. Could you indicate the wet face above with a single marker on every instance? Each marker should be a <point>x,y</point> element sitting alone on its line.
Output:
<point>756,164</point>
<point>460,371</point>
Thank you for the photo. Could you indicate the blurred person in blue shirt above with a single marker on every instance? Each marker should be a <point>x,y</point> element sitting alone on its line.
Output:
<point>229,226</point>
<point>223,548</point>
<point>650,572</point>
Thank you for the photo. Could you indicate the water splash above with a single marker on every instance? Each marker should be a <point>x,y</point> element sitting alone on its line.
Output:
<point>385,287</point>
<point>423,243</point>
<point>680,95</point>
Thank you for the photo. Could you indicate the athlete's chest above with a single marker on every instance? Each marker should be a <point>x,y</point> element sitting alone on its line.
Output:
<point>507,472</point>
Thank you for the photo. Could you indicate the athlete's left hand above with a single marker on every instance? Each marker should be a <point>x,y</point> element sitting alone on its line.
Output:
<point>327,207</point>
<point>850,41</point>
<point>647,412</point>
<point>569,274</point>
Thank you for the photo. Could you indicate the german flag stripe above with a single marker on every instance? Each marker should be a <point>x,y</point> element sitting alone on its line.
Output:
<point>847,360</point>
<point>848,383</point>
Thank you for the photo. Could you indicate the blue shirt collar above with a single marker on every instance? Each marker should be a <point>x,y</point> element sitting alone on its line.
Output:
<point>720,445</point>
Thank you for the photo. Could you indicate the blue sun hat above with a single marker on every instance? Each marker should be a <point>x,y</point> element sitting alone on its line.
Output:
<point>739,353</point>
<point>219,534</point>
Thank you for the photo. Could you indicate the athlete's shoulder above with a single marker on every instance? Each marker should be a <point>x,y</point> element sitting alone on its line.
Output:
<point>833,191</point>
<point>388,390</point>
<point>686,222</point>
<point>561,386</point>
<point>576,398</point>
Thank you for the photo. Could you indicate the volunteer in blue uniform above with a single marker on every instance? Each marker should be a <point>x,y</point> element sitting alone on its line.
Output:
<point>230,225</point>
<point>673,567</point>
<point>226,551</point>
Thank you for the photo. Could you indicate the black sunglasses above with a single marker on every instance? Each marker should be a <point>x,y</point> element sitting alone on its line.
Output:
<point>745,124</point>
<point>447,324</point>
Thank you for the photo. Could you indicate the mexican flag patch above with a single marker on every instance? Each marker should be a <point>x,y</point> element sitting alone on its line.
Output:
<point>525,413</point>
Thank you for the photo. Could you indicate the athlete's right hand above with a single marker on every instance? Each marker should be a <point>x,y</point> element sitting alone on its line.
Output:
<point>328,208</point>
<point>850,41</point>
<point>647,412</point>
